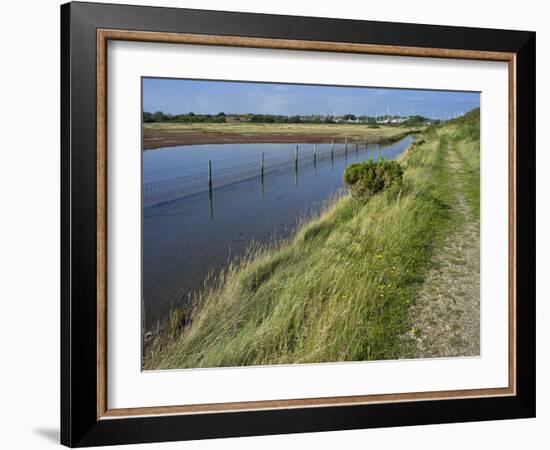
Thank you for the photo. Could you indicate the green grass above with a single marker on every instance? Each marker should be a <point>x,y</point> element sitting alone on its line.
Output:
<point>340,289</point>
<point>465,138</point>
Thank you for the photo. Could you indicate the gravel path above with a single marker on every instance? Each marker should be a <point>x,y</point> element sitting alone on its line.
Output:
<point>445,319</point>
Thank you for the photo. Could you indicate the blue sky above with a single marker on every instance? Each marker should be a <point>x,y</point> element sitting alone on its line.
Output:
<point>211,97</point>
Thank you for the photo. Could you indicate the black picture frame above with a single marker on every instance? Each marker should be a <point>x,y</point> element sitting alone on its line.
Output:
<point>80,425</point>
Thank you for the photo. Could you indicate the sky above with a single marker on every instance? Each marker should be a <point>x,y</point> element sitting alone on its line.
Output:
<point>176,96</point>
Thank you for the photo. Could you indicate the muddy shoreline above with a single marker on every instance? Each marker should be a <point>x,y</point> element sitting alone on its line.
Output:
<point>158,139</point>
<point>153,139</point>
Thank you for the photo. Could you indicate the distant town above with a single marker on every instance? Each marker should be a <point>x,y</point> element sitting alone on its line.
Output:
<point>386,119</point>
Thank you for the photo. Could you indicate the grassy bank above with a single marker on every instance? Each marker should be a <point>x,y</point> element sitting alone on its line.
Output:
<point>342,287</point>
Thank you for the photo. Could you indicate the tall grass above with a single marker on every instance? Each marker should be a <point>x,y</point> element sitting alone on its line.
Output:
<point>339,290</point>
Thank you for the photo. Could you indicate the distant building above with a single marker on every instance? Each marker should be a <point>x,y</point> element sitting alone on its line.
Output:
<point>392,120</point>
<point>398,120</point>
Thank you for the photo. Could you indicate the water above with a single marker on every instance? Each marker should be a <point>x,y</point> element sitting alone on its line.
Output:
<point>186,238</point>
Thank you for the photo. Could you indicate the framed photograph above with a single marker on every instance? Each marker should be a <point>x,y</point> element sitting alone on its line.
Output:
<point>276,224</point>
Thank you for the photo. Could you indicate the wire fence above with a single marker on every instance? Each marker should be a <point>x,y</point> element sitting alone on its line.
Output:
<point>178,182</point>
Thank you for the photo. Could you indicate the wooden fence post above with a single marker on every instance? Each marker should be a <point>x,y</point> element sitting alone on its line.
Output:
<point>210,196</point>
<point>210,175</point>
<point>296,167</point>
<point>346,149</point>
<point>262,166</point>
<point>314,154</point>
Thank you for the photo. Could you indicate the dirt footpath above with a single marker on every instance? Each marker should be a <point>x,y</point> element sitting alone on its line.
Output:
<point>446,317</point>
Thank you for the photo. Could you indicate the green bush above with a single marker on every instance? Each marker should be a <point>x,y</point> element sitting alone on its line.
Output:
<point>370,177</point>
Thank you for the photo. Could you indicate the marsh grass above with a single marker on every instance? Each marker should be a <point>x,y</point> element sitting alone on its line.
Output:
<point>339,290</point>
<point>386,133</point>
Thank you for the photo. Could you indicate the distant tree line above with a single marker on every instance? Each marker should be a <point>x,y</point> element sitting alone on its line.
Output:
<point>159,117</point>
<point>221,117</point>
<point>416,120</point>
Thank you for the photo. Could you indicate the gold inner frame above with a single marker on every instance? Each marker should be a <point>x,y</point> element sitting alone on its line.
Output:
<point>104,35</point>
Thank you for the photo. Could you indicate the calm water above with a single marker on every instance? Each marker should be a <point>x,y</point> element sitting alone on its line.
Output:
<point>185,239</point>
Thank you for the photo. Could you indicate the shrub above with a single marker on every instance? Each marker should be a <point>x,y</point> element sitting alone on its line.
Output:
<point>370,177</point>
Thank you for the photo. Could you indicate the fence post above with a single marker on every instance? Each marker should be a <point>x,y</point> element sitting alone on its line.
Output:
<point>314,154</point>
<point>296,166</point>
<point>262,175</point>
<point>210,196</point>
<point>314,160</point>
<point>346,149</point>
<point>262,166</point>
<point>210,175</point>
